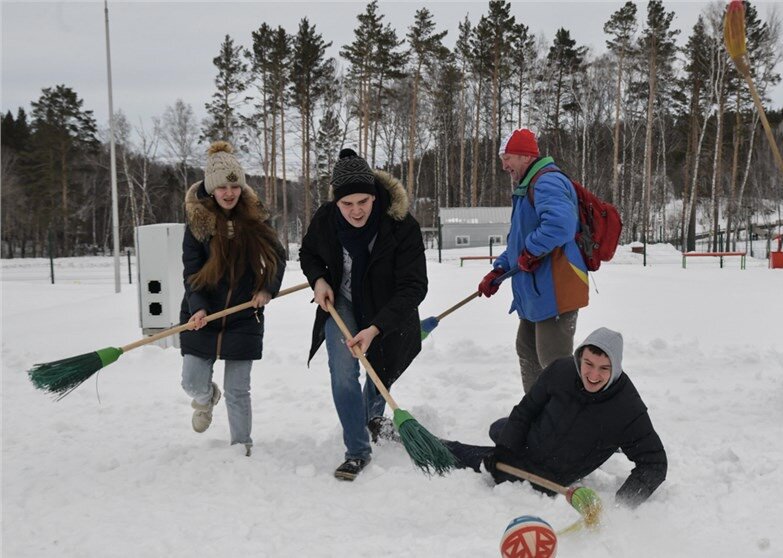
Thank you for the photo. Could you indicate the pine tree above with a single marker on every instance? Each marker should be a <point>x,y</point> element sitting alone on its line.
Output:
<point>621,26</point>
<point>258,122</point>
<point>658,44</point>
<point>501,25</point>
<point>481,61</point>
<point>565,59</point>
<point>359,54</point>
<point>63,132</point>
<point>425,47</point>
<point>699,64</point>
<point>463,54</point>
<point>523,57</point>
<point>279,81</point>
<point>327,146</point>
<point>386,65</point>
<point>231,82</point>
<point>310,76</point>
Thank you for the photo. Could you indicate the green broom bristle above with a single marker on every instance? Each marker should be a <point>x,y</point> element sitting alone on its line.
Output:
<point>64,376</point>
<point>588,504</point>
<point>425,450</point>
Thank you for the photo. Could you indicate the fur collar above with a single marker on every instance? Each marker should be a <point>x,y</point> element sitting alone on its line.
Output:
<point>398,197</point>
<point>202,221</point>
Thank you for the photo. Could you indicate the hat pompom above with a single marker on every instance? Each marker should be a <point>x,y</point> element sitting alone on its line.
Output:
<point>347,152</point>
<point>219,146</point>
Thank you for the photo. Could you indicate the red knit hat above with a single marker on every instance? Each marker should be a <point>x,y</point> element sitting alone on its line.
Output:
<point>520,142</point>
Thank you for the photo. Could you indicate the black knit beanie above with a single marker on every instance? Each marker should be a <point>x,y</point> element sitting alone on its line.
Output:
<point>352,175</point>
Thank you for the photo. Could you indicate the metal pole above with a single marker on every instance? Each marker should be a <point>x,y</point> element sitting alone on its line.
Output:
<point>130,279</point>
<point>51,257</point>
<point>115,212</point>
<point>440,240</point>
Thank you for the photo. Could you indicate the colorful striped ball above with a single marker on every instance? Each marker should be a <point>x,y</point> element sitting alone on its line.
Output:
<point>528,537</point>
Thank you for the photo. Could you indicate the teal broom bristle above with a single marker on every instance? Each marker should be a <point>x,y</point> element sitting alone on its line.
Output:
<point>425,450</point>
<point>63,376</point>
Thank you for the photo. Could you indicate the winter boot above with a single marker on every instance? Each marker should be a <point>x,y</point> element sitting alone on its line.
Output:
<point>351,468</point>
<point>202,415</point>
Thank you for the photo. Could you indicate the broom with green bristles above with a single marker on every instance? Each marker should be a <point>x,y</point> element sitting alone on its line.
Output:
<point>425,450</point>
<point>61,377</point>
<point>584,500</point>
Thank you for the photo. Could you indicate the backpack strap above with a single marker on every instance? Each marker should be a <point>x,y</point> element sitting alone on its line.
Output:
<point>535,178</point>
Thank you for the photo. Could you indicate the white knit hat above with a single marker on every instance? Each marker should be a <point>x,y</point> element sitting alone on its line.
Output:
<point>222,167</point>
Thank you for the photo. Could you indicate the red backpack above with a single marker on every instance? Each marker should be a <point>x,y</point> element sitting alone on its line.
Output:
<point>599,223</point>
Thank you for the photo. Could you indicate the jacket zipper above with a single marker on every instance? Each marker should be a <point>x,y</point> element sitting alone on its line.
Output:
<point>222,328</point>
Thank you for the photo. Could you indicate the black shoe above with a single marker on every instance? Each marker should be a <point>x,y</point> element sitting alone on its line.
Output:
<point>350,469</point>
<point>382,428</point>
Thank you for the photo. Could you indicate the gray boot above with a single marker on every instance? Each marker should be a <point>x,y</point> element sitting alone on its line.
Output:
<point>202,415</point>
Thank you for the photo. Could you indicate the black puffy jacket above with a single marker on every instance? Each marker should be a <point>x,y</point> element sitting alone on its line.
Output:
<point>563,433</point>
<point>237,336</point>
<point>394,285</point>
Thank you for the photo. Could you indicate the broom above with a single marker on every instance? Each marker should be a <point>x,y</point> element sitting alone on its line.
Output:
<point>63,376</point>
<point>429,324</point>
<point>425,450</point>
<point>584,500</point>
<point>734,38</point>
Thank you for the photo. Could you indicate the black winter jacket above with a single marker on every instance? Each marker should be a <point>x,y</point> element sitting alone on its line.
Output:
<point>237,336</point>
<point>561,432</point>
<point>394,285</point>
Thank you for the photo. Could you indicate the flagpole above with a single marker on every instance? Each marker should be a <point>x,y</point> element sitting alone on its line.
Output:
<point>115,214</point>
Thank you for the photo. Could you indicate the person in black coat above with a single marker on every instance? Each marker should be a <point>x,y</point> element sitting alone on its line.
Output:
<point>576,416</point>
<point>363,252</point>
<point>230,256</point>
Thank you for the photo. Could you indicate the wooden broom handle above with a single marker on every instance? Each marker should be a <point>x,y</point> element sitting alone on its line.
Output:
<point>358,353</point>
<point>745,71</point>
<point>540,481</point>
<point>457,306</point>
<point>211,317</point>
<point>464,301</point>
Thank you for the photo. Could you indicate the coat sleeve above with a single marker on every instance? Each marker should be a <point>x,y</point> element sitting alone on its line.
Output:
<point>555,204</point>
<point>194,256</point>
<point>514,434</point>
<point>273,286</point>
<point>312,263</point>
<point>410,278</point>
<point>642,445</point>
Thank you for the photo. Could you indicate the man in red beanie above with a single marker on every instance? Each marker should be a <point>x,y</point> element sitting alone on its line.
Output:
<point>551,284</point>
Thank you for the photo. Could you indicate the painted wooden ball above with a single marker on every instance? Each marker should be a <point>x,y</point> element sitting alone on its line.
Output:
<point>528,537</point>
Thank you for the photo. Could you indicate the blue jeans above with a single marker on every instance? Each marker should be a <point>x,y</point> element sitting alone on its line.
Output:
<point>355,407</point>
<point>197,383</point>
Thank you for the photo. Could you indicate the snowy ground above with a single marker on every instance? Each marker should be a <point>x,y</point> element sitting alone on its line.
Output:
<point>126,476</point>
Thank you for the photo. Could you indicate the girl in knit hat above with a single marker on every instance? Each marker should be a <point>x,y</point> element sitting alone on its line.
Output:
<point>363,253</point>
<point>230,255</point>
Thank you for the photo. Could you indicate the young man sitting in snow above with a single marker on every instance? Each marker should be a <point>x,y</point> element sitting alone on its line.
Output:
<point>576,416</point>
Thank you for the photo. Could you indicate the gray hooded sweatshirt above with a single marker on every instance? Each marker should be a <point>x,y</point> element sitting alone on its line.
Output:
<point>610,342</point>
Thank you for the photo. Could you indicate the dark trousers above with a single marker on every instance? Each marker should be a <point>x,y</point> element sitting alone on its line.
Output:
<point>469,456</point>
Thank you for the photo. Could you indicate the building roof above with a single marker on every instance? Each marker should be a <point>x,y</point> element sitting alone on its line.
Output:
<point>475,215</point>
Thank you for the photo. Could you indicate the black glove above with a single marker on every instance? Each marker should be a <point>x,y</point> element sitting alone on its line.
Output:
<point>503,455</point>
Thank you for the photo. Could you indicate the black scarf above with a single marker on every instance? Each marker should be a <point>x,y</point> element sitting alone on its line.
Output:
<point>357,241</point>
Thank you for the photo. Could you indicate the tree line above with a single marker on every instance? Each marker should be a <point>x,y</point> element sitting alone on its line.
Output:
<point>658,129</point>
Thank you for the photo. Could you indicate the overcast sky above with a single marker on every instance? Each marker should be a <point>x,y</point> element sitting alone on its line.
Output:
<point>162,51</point>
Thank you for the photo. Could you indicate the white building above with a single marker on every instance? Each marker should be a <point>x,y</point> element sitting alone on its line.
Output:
<point>464,227</point>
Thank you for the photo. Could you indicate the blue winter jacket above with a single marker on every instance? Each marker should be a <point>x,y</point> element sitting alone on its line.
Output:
<point>545,227</point>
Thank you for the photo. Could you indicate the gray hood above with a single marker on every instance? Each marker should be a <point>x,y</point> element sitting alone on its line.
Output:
<point>610,342</point>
